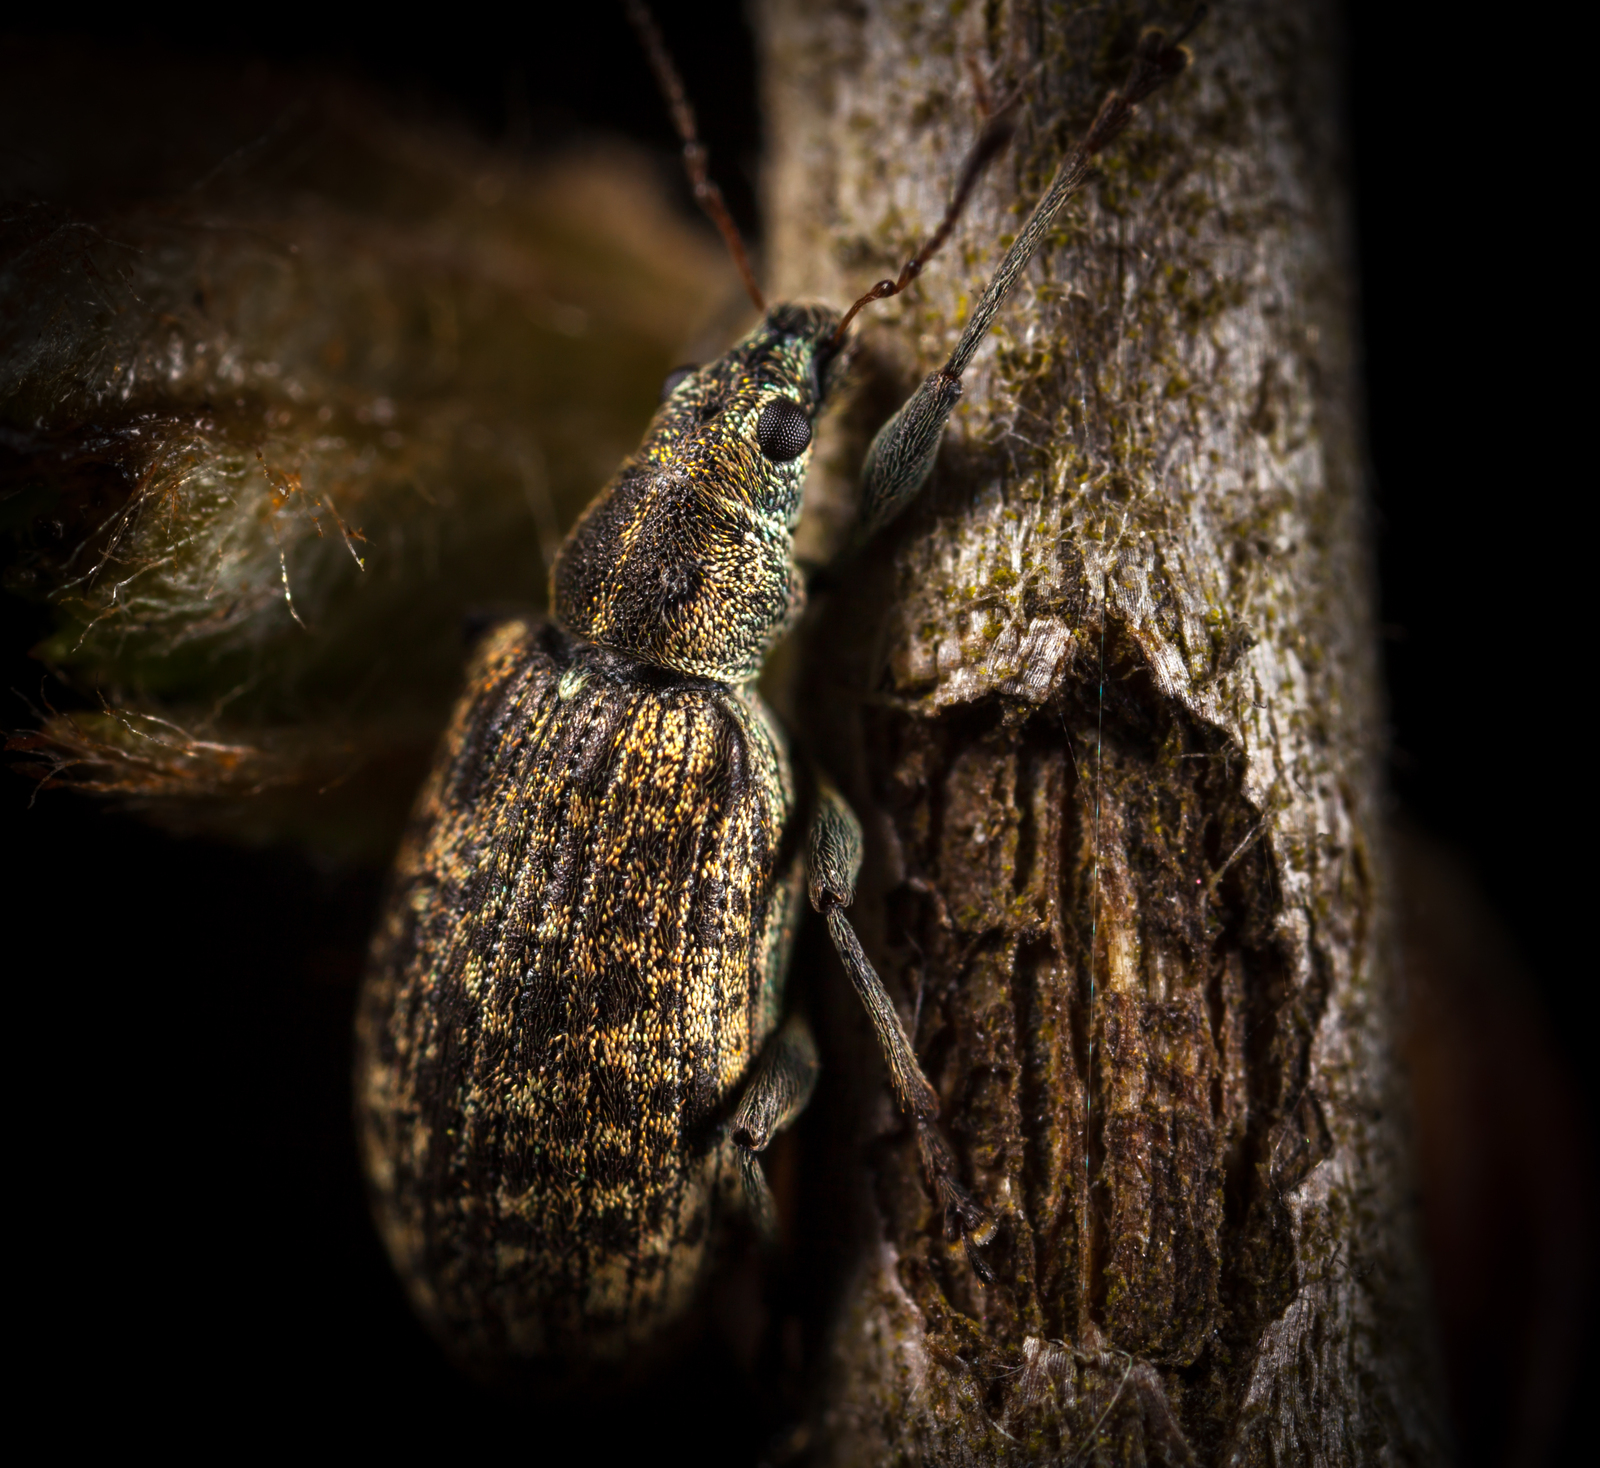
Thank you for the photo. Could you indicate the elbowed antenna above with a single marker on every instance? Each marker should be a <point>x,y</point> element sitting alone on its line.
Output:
<point>707,195</point>
<point>997,133</point>
<point>902,454</point>
<point>1156,61</point>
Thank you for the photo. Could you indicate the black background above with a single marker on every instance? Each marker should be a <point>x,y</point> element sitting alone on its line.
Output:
<point>184,1201</point>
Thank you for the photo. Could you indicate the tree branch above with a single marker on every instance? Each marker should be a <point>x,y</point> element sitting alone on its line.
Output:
<point>1116,715</point>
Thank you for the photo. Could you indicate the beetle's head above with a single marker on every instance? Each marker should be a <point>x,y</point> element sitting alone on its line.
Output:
<point>685,560</point>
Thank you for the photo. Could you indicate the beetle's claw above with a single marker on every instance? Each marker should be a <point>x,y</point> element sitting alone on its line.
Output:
<point>965,1218</point>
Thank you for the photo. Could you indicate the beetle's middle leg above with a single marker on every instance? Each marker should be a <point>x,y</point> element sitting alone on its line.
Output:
<point>833,865</point>
<point>776,1093</point>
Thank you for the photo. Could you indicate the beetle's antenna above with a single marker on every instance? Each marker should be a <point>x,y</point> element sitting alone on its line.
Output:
<point>997,133</point>
<point>902,454</point>
<point>706,194</point>
<point>1156,60</point>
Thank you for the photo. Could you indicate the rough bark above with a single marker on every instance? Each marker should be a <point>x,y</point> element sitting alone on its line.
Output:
<point>1107,701</point>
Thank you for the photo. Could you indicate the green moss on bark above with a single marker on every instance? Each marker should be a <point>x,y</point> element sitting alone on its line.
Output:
<point>1116,732</point>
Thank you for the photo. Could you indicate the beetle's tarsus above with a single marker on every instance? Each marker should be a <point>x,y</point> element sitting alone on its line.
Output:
<point>758,1198</point>
<point>965,1218</point>
<point>980,1265</point>
<point>778,1090</point>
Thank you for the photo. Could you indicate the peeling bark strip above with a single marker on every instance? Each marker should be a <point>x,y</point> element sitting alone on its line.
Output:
<point>1117,724</point>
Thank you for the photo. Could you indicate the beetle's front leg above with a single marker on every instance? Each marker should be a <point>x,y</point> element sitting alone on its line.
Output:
<point>834,863</point>
<point>775,1094</point>
<point>902,454</point>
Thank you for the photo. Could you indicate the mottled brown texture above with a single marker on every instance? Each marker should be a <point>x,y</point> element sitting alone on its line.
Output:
<point>583,952</point>
<point>1115,742</point>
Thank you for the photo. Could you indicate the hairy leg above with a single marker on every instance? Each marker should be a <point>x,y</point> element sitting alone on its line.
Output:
<point>776,1093</point>
<point>834,864</point>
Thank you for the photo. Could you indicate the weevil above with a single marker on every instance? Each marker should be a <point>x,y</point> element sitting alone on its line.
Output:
<point>574,1037</point>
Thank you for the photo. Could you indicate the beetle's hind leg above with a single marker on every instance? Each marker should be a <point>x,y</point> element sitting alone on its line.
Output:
<point>834,863</point>
<point>777,1092</point>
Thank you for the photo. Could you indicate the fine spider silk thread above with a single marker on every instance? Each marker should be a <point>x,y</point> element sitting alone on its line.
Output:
<point>1094,917</point>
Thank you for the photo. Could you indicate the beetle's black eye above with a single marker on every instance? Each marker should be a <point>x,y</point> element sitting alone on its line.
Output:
<point>783,430</point>
<point>674,377</point>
